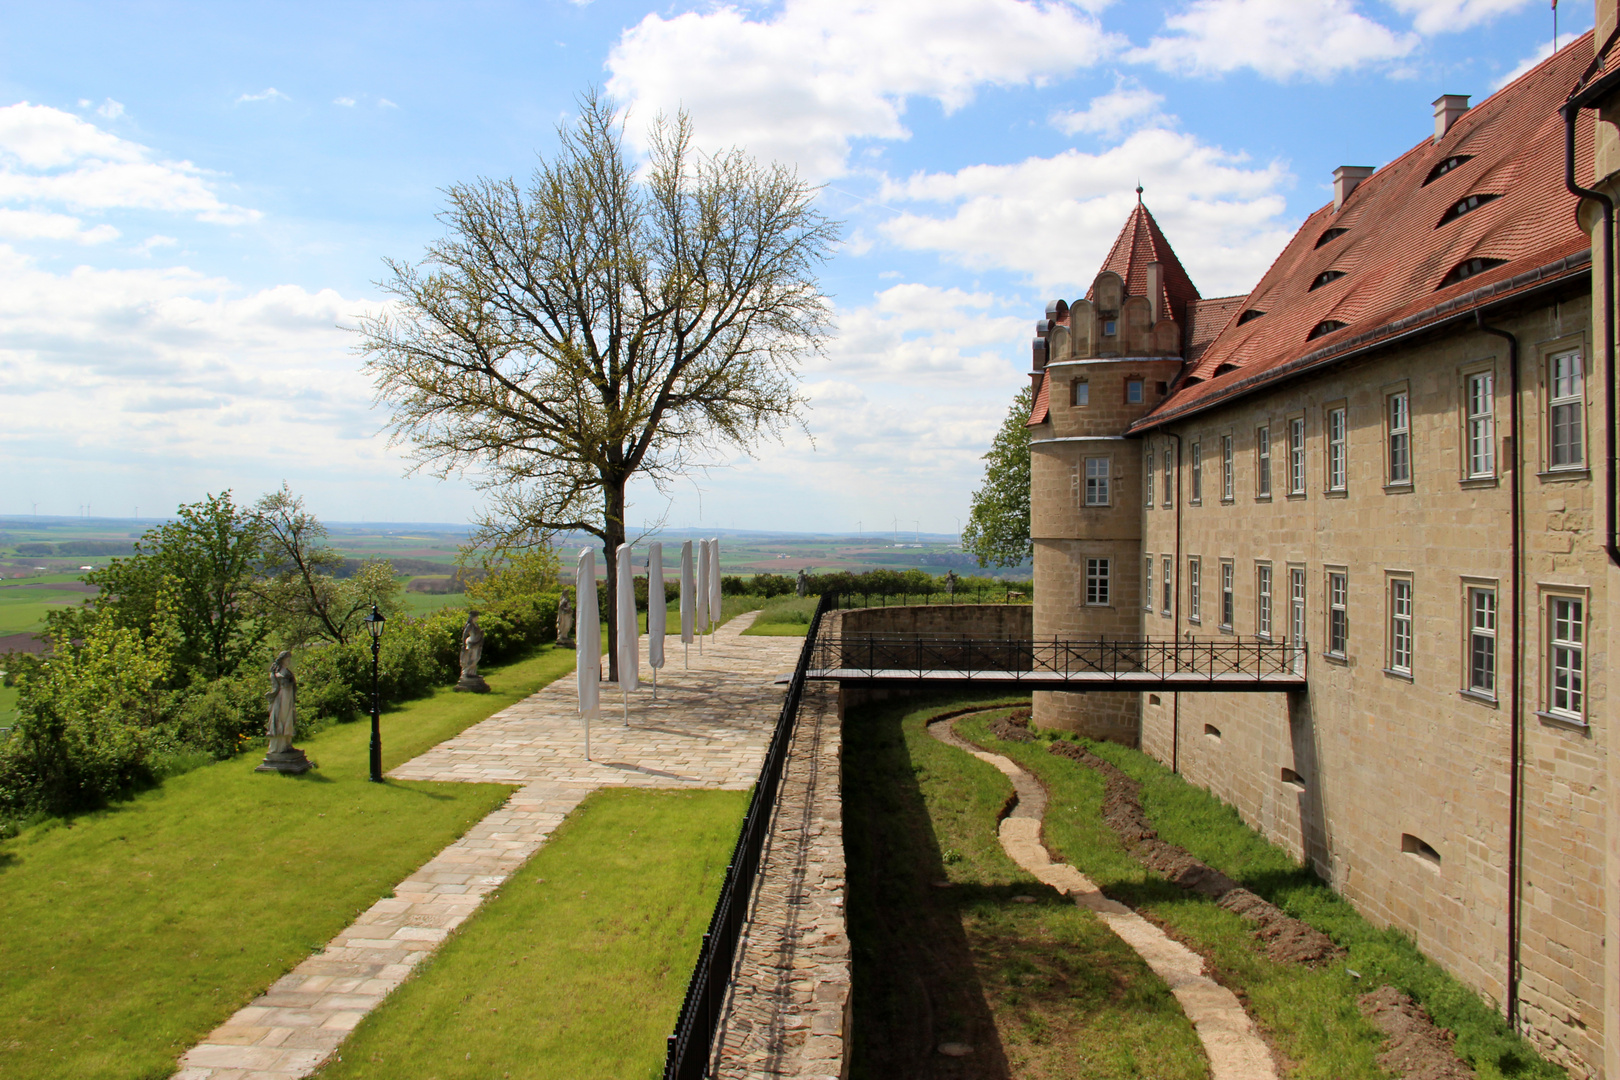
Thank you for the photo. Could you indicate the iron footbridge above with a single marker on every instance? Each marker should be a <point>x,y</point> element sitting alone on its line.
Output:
<point>1127,664</point>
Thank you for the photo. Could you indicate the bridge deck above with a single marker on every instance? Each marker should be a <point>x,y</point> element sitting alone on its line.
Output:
<point>1076,680</point>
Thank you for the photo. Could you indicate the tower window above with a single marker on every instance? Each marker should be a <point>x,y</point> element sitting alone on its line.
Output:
<point>1326,276</point>
<point>1097,470</point>
<point>1097,582</point>
<point>1110,327</point>
<point>1446,166</point>
<point>1079,393</point>
<point>1133,392</point>
<point>1465,206</point>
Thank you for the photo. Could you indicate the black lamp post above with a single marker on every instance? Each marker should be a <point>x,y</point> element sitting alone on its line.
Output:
<point>374,626</point>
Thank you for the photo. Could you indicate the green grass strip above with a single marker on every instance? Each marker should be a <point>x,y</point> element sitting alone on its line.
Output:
<point>132,932</point>
<point>1312,1014</point>
<point>577,967</point>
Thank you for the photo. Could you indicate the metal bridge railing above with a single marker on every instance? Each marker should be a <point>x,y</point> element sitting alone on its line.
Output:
<point>692,1043</point>
<point>1127,659</point>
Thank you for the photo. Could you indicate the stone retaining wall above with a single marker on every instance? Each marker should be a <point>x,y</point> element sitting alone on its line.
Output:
<point>963,620</point>
<point>788,1011</point>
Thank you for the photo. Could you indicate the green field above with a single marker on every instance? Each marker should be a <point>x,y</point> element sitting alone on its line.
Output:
<point>23,605</point>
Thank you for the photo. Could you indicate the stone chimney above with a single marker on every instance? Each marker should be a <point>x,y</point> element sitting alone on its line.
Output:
<point>1155,289</point>
<point>1448,109</point>
<point>1345,180</point>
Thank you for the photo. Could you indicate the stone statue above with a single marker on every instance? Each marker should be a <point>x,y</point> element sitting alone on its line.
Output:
<point>472,647</point>
<point>565,621</point>
<point>282,699</point>
<point>950,585</point>
<point>804,582</point>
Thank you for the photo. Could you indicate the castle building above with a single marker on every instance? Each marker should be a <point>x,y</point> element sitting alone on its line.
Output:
<point>1397,453</point>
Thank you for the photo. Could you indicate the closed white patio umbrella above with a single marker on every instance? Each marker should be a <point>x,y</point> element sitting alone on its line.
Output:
<point>702,592</point>
<point>656,615</point>
<point>714,585</point>
<point>588,650</point>
<point>629,632</point>
<point>688,599</point>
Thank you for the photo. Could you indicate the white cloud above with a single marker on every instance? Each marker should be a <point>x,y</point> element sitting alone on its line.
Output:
<point>157,240</point>
<point>346,102</point>
<point>1280,39</point>
<point>269,93</point>
<point>51,156</point>
<point>1541,53</point>
<point>916,334</point>
<point>801,84</point>
<point>42,225</point>
<point>1053,219</point>
<point>1112,113</point>
<point>111,109</point>
<point>1443,16</point>
<point>384,103</point>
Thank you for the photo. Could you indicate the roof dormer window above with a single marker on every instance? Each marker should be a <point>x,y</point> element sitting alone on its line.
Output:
<point>1249,316</point>
<point>1326,276</point>
<point>1445,166</point>
<point>1465,206</point>
<point>1326,326</point>
<point>1331,234</point>
<point>1468,268</point>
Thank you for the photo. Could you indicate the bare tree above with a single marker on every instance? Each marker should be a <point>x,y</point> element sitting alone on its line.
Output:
<point>602,324</point>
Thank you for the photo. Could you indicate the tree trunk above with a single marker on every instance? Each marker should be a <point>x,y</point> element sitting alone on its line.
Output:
<point>613,527</point>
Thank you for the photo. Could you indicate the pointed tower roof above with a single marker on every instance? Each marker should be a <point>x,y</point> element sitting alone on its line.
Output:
<point>1139,243</point>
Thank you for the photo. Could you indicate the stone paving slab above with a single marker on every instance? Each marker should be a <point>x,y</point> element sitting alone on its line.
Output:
<point>708,729</point>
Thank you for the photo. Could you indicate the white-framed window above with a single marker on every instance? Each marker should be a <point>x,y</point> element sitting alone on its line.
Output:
<point>1228,597</point>
<point>1166,588</point>
<point>1481,614</point>
<point>1399,415</point>
<point>1194,590</point>
<point>1338,449</point>
<point>1566,411</point>
<point>1480,425</point>
<point>1097,473</point>
<point>1169,485</point>
<point>1197,472</point>
<point>1147,476</point>
<point>1097,582</point>
<point>1227,481</point>
<point>1262,600</point>
<point>1296,614</point>
<point>1400,625</point>
<point>1566,657</point>
<point>1133,392</point>
<point>1080,393</point>
<point>1147,583</point>
<point>1338,603</point>
<point>1296,456</point>
<point>1262,456</point>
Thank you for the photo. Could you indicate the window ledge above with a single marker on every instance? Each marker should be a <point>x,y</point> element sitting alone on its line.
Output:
<point>1554,476</point>
<point>1565,721</point>
<point>1195,620</point>
<point>1338,658</point>
<point>1396,673</point>
<point>1479,696</point>
<point>1399,489</point>
<point>1164,615</point>
<point>1168,505</point>
<point>1295,496</point>
<point>1224,629</point>
<point>1479,482</point>
<point>1262,498</point>
<point>1228,502</point>
<point>1336,493</point>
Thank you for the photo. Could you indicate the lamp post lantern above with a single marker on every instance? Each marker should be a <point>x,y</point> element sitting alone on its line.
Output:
<point>374,626</point>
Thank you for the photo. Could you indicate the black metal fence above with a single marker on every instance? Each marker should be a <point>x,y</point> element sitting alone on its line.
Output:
<point>1127,659</point>
<point>692,1043</point>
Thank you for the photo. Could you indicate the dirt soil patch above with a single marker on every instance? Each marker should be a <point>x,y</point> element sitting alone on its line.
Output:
<point>1416,1050</point>
<point>1012,728</point>
<point>1287,939</point>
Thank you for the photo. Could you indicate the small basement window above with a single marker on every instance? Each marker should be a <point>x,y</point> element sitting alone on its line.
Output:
<point>1468,268</point>
<point>1249,316</point>
<point>1326,326</point>
<point>1445,166</point>
<point>1415,847</point>
<point>1293,779</point>
<point>1212,732</point>
<point>1332,234</point>
<point>1464,206</point>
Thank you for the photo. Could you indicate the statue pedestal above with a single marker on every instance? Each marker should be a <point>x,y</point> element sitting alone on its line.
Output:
<point>287,760</point>
<point>472,684</point>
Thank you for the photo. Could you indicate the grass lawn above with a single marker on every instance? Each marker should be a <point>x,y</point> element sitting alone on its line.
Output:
<point>132,932</point>
<point>785,616</point>
<point>1310,1014</point>
<point>1039,990</point>
<point>420,603</point>
<point>577,967</point>
<point>23,609</point>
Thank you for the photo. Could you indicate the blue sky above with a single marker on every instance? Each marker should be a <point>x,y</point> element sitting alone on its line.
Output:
<point>195,200</point>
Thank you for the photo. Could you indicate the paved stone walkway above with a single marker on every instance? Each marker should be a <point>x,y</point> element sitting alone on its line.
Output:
<point>708,729</point>
<point>786,1014</point>
<point>1235,1050</point>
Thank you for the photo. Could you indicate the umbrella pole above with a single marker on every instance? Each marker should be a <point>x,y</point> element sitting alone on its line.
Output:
<point>587,738</point>
<point>655,684</point>
<point>626,694</point>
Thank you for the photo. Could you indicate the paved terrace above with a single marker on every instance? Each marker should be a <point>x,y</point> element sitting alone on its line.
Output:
<point>708,729</point>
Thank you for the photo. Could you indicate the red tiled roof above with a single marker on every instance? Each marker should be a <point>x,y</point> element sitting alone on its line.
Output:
<point>1139,243</point>
<point>1043,401</point>
<point>1395,253</point>
<point>1209,318</point>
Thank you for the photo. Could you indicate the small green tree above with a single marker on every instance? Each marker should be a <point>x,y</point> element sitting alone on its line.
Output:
<point>300,592</point>
<point>998,524</point>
